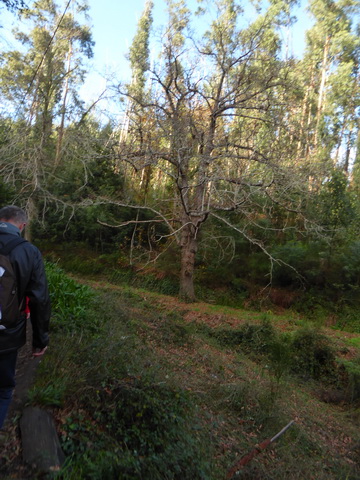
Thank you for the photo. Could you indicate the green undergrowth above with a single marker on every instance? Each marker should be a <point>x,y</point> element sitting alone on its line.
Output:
<point>217,286</point>
<point>141,393</point>
<point>305,353</point>
<point>131,428</point>
<point>122,419</point>
<point>116,269</point>
<point>71,302</point>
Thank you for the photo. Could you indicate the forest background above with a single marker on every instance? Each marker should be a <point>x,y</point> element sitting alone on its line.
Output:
<point>233,167</point>
<point>223,169</point>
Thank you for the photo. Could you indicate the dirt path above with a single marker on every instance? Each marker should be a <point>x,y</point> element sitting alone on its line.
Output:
<point>25,374</point>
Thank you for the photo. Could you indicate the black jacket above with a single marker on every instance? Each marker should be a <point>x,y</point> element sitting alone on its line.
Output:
<point>30,273</point>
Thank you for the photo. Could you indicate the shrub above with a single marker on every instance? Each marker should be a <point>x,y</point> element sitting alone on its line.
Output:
<point>253,338</point>
<point>70,301</point>
<point>305,260</point>
<point>312,354</point>
<point>49,395</point>
<point>280,356</point>
<point>142,430</point>
<point>352,378</point>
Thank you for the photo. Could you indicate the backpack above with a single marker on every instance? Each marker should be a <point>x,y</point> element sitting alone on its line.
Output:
<point>9,301</point>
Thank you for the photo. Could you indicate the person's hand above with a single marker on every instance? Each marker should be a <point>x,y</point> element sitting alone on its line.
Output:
<point>38,352</point>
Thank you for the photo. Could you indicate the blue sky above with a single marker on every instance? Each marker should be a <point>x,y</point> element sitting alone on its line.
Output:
<point>114,25</point>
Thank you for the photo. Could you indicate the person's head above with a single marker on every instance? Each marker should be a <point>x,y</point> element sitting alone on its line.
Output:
<point>15,215</point>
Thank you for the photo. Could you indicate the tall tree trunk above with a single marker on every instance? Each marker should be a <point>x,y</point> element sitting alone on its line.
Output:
<point>347,154</point>
<point>63,111</point>
<point>189,246</point>
<point>302,146</point>
<point>32,213</point>
<point>322,89</point>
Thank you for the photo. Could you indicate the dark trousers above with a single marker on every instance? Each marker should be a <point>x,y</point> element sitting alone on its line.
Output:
<point>7,382</point>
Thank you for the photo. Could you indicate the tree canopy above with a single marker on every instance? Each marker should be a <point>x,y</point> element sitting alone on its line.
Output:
<point>222,134</point>
<point>14,4</point>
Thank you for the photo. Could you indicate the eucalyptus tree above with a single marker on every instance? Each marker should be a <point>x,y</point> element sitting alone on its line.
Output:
<point>330,69</point>
<point>211,119</point>
<point>139,57</point>
<point>140,52</point>
<point>38,86</point>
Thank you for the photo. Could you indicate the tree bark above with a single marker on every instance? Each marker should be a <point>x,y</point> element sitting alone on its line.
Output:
<point>189,246</point>
<point>63,111</point>
<point>322,89</point>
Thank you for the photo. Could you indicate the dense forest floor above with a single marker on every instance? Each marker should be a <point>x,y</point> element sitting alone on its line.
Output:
<point>239,397</point>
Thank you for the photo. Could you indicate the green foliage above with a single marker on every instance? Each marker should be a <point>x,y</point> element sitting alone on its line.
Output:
<point>82,226</point>
<point>150,281</point>
<point>52,394</point>
<point>227,261</point>
<point>200,124</point>
<point>352,378</point>
<point>139,52</point>
<point>252,338</point>
<point>300,261</point>
<point>7,193</point>
<point>88,167</point>
<point>142,430</point>
<point>331,278</point>
<point>350,262</point>
<point>328,286</point>
<point>80,260</point>
<point>233,295</point>
<point>72,312</point>
<point>335,205</point>
<point>84,266</point>
<point>306,353</point>
<point>347,315</point>
<point>71,302</point>
<point>312,354</point>
<point>130,425</point>
<point>280,356</point>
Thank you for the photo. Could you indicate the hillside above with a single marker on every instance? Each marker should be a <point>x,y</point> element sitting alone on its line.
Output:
<point>206,384</point>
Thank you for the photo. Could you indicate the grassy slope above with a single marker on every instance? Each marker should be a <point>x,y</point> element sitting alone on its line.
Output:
<point>239,399</point>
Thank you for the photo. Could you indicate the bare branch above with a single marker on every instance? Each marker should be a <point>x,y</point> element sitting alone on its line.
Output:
<point>259,244</point>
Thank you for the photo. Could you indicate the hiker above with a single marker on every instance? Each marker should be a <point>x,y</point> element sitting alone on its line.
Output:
<point>28,266</point>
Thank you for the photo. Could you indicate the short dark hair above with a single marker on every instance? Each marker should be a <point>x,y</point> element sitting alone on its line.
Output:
<point>11,212</point>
